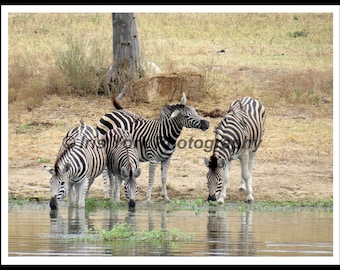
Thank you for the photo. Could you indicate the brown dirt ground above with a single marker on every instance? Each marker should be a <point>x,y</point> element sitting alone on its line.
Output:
<point>293,163</point>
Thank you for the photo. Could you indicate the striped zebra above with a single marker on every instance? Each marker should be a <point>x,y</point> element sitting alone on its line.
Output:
<point>155,139</point>
<point>81,158</point>
<point>122,164</point>
<point>237,136</point>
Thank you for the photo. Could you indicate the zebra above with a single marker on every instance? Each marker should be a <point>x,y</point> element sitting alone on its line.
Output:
<point>237,136</point>
<point>122,164</point>
<point>81,158</point>
<point>155,139</point>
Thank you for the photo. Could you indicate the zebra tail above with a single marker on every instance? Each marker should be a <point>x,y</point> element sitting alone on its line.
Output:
<point>116,104</point>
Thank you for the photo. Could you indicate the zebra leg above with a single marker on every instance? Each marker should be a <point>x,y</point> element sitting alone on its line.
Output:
<point>242,186</point>
<point>164,169</point>
<point>251,162</point>
<point>152,167</point>
<point>118,183</point>
<point>105,175</point>
<point>91,180</point>
<point>81,192</point>
<point>246,159</point>
<point>77,193</point>
<point>112,185</point>
<point>223,193</point>
<point>70,193</point>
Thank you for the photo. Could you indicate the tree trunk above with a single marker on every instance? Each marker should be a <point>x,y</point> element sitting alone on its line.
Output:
<point>126,54</point>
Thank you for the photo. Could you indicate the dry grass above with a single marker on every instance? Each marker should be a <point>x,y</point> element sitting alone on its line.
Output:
<point>273,55</point>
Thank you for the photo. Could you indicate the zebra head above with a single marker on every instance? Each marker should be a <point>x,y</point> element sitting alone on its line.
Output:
<point>131,172</point>
<point>215,176</point>
<point>58,187</point>
<point>187,115</point>
<point>131,186</point>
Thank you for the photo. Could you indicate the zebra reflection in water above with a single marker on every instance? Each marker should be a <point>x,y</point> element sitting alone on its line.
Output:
<point>77,221</point>
<point>222,240</point>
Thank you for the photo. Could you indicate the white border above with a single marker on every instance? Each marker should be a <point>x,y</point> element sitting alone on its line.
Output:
<point>5,260</point>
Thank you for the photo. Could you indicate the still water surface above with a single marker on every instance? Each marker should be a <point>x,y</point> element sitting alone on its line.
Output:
<point>215,231</point>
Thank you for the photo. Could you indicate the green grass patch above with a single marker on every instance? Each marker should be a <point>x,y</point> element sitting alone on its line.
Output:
<point>126,232</point>
<point>196,205</point>
<point>199,204</point>
<point>43,160</point>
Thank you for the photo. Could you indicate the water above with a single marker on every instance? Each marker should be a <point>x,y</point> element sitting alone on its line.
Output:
<point>215,231</point>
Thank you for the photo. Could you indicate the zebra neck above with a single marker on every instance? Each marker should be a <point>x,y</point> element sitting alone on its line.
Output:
<point>169,130</point>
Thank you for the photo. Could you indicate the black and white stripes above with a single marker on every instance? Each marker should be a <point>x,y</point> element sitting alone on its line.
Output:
<point>155,139</point>
<point>81,158</point>
<point>122,164</point>
<point>237,136</point>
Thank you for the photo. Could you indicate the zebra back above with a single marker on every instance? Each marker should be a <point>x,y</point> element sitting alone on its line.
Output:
<point>118,118</point>
<point>86,142</point>
<point>242,127</point>
<point>121,152</point>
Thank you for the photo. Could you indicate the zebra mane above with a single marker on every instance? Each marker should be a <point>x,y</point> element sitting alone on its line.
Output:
<point>236,111</point>
<point>169,109</point>
<point>61,152</point>
<point>235,107</point>
<point>67,143</point>
<point>128,143</point>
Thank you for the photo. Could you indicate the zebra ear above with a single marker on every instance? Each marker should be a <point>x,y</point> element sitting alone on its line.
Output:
<point>175,113</point>
<point>221,162</point>
<point>137,172</point>
<point>206,162</point>
<point>49,169</point>
<point>125,173</point>
<point>183,99</point>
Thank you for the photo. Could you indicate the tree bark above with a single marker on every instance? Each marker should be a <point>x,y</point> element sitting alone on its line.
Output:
<point>126,54</point>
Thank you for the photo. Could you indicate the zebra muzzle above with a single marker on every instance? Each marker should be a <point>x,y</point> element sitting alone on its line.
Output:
<point>212,198</point>
<point>54,203</point>
<point>132,203</point>
<point>204,125</point>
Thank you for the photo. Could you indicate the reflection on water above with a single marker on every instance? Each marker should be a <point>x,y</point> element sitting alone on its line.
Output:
<point>216,231</point>
<point>222,242</point>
